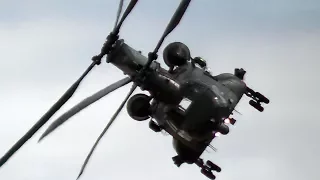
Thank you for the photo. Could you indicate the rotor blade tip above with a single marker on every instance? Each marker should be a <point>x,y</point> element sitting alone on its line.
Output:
<point>79,175</point>
<point>40,139</point>
<point>43,136</point>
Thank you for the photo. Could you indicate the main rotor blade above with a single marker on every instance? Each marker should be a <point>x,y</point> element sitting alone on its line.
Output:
<point>118,13</point>
<point>66,96</point>
<point>134,86</point>
<point>173,22</point>
<point>114,35</point>
<point>83,104</point>
<point>124,16</point>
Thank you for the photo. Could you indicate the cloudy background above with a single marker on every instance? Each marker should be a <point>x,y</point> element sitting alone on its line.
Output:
<point>46,45</point>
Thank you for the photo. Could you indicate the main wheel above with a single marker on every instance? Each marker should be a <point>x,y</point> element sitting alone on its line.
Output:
<point>199,163</point>
<point>262,98</point>
<point>208,173</point>
<point>138,107</point>
<point>256,105</point>
<point>213,166</point>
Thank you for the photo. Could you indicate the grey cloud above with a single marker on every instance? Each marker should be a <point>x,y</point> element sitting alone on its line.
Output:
<point>230,15</point>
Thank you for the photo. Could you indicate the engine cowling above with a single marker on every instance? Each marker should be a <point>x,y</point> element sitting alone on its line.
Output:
<point>138,107</point>
<point>176,54</point>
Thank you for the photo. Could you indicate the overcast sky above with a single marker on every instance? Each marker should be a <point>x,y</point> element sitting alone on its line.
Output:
<point>46,45</point>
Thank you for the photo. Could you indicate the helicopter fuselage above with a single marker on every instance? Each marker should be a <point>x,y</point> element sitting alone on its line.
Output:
<point>206,101</point>
<point>187,102</point>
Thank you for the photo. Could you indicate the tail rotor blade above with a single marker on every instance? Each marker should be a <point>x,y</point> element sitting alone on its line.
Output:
<point>83,104</point>
<point>118,13</point>
<point>134,86</point>
<point>175,20</point>
<point>66,96</point>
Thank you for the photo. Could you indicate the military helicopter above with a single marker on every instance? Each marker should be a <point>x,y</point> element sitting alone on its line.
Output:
<point>186,101</point>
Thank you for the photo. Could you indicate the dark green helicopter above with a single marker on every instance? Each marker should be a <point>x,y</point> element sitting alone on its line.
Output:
<point>186,100</point>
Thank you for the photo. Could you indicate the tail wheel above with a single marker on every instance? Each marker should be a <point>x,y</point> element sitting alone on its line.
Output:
<point>262,98</point>
<point>256,105</point>
<point>213,166</point>
<point>208,173</point>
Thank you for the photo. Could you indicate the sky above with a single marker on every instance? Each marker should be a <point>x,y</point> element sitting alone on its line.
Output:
<point>46,45</point>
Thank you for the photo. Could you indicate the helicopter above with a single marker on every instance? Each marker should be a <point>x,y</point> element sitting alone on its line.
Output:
<point>186,101</point>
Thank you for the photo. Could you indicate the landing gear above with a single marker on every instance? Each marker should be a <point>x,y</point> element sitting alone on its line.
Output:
<point>213,166</point>
<point>177,161</point>
<point>207,168</point>
<point>208,173</point>
<point>257,99</point>
<point>256,105</point>
<point>200,163</point>
<point>262,98</point>
<point>154,127</point>
<point>138,107</point>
